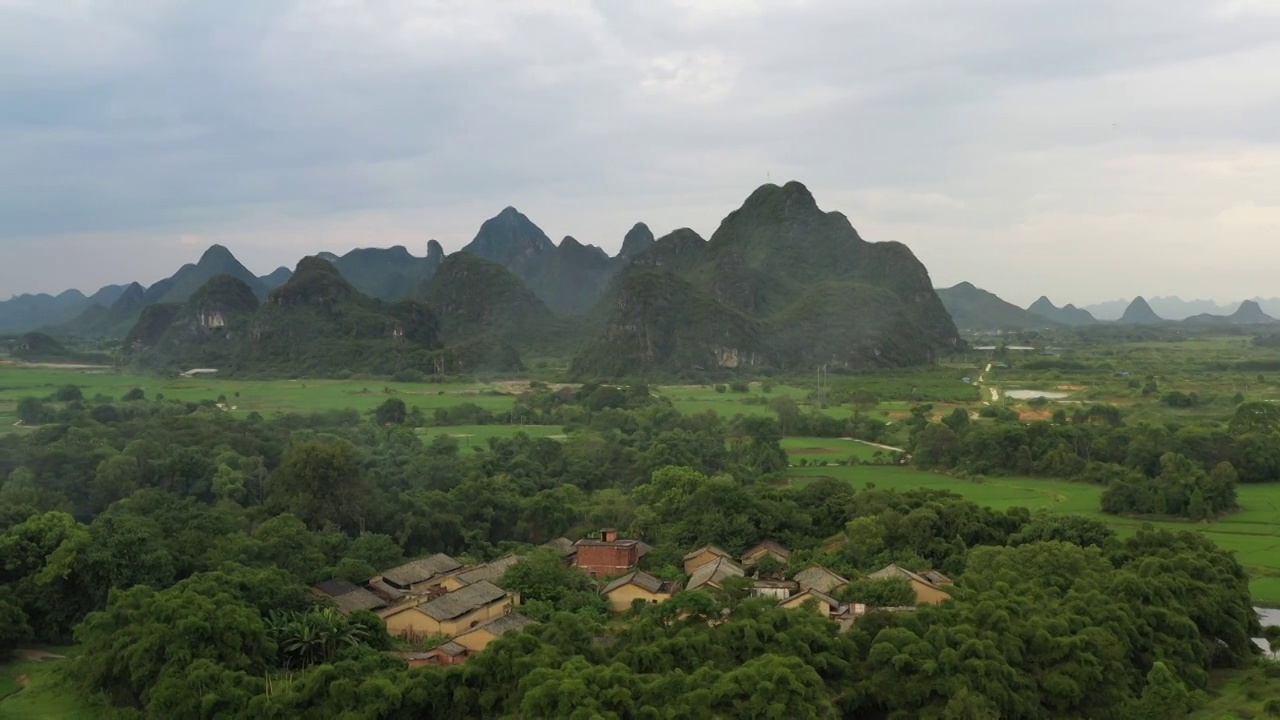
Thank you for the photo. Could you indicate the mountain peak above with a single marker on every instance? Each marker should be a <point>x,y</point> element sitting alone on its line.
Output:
<point>638,239</point>
<point>787,200</point>
<point>1250,313</point>
<point>1139,312</point>
<point>216,254</point>
<point>434,250</point>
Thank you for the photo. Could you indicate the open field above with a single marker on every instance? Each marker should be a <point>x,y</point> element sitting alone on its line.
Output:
<point>1253,534</point>
<point>1251,693</point>
<point>828,450</point>
<point>44,695</point>
<point>477,436</point>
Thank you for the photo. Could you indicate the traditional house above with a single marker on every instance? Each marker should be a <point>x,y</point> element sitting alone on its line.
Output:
<point>450,653</point>
<point>479,637</point>
<point>564,546</point>
<point>638,585</point>
<point>713,574</point>
<point>935,577</point>
<point>491,572</point>
<point>608,555</point>
<point>927,593</point>
<point>449,614</point>
<point>418,576</point>
<point>774,589</point>
<point>822,603</point>
<point>768,547</point>
<point>702,556</point>
<point>820,579</point>
<point>347,596</point>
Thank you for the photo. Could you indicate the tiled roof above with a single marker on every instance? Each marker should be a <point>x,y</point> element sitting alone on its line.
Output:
<point>417,571</point>
<point>707,548</point>
<point>564,545</point>
<point>491,571</point>
<point>890,571</point>
<point>770,546</point>
<point>347,596</point>
<point>714,573</point>
<point>820,579</point>
<point>511,622</point>
<point>451,648</point>
<point>820,596</point>
<point>462,601</point>
<point>639,578</point>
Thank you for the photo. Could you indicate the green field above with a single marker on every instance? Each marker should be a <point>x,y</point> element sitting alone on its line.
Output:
<point>1253,533</point>
<point>477,436</point>
<point>829,450</point>
<point>45,695</point>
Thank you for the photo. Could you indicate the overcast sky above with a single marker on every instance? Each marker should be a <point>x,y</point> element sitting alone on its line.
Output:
<point>1088,150</point>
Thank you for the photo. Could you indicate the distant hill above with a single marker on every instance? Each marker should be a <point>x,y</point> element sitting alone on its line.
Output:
<point>638,239</point>
<point>973,308</point>
<point>1139,313</point>
<point>1066,315</point>
<point>318,323</point>
<point>217,260</point>
<point>780,284</point>
<point>114,320</point>
<point>205,331</point>
<point>568,277</point>
<point>276,278</point>
<point>29,312</point>
<point>387,273</point>
<point>38,347</point>
<point>1249,313</point>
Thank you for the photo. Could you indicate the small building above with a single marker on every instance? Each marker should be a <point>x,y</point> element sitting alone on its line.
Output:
<point>936,577</point>
<point>768,547</point>
<point>564,546</point>
<point>491,572</point>
<point>713,574</point>
<point>347,596</point>
<point>608,555</point>
<point>450,614</point>
<point>820,579</point>
<point>774,589</point>
<point>450,653</point>
<point>638,585</point>
<point>419,575</point>
<point>478,638</point>
<point>927,593</point>
<point>702,556</point>
<point>822,603</point>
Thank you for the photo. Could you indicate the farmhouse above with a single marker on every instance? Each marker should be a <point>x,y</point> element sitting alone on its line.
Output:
<point>491,572</point>
<point>479,637</point>
<point>774,589</point>
<point>713,574</point>
<point>608,555</point>
<point>449,614</point>
<point>927,592</point>
<point>346,596</point>
<point>768,547</point>
<point>702,556</point>
<point>820,602</point>
<point>638,585</point>
<point>418,576</point>
<point>820,579</point>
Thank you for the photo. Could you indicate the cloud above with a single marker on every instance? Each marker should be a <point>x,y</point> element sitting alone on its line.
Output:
<point>978,133</point>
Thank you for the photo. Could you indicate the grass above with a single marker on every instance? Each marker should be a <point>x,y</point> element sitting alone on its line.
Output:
<point>46,695</point>
<point>1253,533</point>
<point>477,436</point>
<point>1242,694</point>
<point>820,450</point>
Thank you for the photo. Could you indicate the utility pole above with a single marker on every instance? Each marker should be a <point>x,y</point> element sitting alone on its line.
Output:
<point>822,385</point>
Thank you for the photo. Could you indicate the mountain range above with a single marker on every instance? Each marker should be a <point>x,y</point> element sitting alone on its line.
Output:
<point>973,308</point>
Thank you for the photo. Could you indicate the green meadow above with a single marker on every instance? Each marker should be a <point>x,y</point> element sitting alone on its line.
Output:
<point>1253,533</point>
<point>36,690</point>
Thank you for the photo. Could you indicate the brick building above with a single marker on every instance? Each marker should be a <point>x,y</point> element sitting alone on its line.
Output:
<point>608,555</point>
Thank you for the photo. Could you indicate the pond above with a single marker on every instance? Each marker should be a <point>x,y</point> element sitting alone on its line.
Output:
<point>1266,616</point>
<point>1032,394</point>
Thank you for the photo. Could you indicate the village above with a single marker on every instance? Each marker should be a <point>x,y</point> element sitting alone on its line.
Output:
<point>452,611</point>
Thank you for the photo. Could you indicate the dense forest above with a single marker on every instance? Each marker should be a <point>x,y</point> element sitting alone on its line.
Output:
<point>176,543</point>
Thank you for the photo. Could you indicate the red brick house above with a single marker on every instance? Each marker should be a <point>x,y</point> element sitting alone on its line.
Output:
<point>608,555</point>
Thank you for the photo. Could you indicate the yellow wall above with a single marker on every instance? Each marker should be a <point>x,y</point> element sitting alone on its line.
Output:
<point>452,583</point>
<point>414,622</point>
<point>476,640</point>
<point>798,603</point>
<point>926,595</point>
<point>698,561</point>
<point>620,599</point>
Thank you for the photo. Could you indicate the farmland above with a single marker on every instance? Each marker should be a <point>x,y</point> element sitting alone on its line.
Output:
<point>1253,533</point>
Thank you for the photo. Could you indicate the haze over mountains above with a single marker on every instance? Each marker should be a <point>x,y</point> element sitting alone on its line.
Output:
<point>781,284</point>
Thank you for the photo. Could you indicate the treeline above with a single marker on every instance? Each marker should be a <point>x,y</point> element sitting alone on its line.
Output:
<point>175,543</point>
<point>1185,470</point>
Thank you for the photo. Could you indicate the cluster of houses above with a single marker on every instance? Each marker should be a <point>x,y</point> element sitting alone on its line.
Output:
<point>438,597</point>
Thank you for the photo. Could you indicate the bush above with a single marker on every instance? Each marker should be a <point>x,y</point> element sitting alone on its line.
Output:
<point>721,389</point>
<point>739,386</point>
<point>68,393</point>
<point>134,394</point>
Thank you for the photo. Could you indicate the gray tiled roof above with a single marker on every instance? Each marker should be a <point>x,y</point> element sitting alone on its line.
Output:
<point>714,573</point>
<point>462,601</point>
<point>564,545</point>
<point>492,571</point>
<point>706,548</point>
<point>769,545</point>
<point>348,596</point>
<point>820,579</point>
<point>898,571</point>
<point>417,571</point>
<point>510,622</point>
<point>639,578</point>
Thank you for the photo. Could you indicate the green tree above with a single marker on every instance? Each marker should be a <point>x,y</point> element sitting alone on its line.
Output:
<point>391,412</point>
<point>30,411</point>
<point>323,482</point>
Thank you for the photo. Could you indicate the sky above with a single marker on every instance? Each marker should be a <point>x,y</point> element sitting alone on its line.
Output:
<point>1087,150</point>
